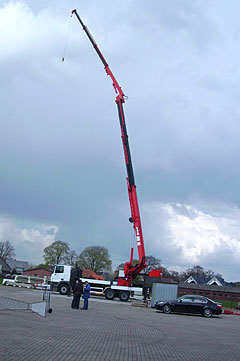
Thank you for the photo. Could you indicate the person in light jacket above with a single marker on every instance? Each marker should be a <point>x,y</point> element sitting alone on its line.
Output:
<point>86,294</point>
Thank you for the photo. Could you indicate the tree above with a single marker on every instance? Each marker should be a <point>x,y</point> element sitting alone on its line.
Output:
<point>71,258</point>
<point>95,258</point>
<point>121,266</point>
<point>56,253</point>
<point>6,250</point>
<point>174,275</point>
<point>152,263</point>
<point>41,265</point>
<point>211,274</point>
<point>198,271</point>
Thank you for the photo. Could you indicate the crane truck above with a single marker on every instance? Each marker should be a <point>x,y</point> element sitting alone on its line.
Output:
<point>123,287</point>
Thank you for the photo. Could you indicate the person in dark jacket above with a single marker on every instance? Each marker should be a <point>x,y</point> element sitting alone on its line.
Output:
<point>144,293</point>
<point>86,295</point>
<point>77,292</point>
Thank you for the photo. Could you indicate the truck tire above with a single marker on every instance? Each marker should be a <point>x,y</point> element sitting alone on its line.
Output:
<point>109,294</point>
<point>63,289</point>
<point>124,296</point>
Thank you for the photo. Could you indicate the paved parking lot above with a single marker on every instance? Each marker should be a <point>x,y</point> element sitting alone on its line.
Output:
<point>112,331</point>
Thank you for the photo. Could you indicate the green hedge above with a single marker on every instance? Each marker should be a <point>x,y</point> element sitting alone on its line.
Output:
<point>228,304</point>
<point>1,279</point>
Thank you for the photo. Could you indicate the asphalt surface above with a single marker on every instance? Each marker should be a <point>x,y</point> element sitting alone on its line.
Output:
<point>112,331</point>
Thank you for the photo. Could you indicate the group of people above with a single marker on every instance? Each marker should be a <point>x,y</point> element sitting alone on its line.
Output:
<point>80,289</point>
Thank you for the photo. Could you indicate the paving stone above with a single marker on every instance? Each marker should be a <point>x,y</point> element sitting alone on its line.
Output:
<point>112,331</point>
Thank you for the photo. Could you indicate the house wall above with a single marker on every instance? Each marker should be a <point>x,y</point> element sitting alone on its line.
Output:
<point>41,272</point>
<point>213,292</point>
<point>4,268</point>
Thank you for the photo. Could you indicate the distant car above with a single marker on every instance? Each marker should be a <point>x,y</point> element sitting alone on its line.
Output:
<point>191,304</point>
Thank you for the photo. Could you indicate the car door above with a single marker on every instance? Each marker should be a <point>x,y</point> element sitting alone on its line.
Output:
<point>198,304</point>
<point>183,304</point>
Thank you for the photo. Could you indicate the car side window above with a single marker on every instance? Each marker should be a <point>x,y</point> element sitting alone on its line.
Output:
<point>187,299</point>
<point>200,300</point>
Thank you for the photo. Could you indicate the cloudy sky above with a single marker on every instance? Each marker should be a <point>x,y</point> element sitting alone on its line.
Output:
<point>62,166</point>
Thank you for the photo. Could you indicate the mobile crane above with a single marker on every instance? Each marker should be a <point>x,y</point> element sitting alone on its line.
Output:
<point>130,270</point>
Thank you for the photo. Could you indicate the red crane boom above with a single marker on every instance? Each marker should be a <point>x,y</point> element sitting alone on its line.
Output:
<point>130,270</point>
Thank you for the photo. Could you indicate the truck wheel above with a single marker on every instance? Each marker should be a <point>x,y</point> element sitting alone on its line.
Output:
<point>63,289</point>
<point>109,294</point>
<point>124,296</point>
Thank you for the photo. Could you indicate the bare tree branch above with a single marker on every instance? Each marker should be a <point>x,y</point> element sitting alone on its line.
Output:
<point>6,250</point>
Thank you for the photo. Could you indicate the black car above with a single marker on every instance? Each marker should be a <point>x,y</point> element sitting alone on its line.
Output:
<point>191,304</point>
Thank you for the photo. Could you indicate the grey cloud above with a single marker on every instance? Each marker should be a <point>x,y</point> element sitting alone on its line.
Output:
<point>61,152</point>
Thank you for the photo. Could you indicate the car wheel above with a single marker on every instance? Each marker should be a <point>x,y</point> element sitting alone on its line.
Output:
<point>207,312</point>
<point>167,309</point>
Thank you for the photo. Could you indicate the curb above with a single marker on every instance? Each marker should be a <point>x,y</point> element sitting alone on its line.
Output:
<point>228,312</point>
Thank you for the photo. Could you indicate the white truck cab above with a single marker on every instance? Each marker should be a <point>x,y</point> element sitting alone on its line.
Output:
<point>63,278</point>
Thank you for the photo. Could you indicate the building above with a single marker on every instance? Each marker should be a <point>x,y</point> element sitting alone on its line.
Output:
<point>218,281</point>
<point>17,266</point>
<point>214,288</point>
<point>38,272</point>
<point>4,267</point>
<point>214,292</point>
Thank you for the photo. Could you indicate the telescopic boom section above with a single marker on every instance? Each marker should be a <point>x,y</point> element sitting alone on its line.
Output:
<point>129,270</point>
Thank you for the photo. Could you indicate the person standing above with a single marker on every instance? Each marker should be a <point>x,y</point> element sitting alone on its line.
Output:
<point>77,292</point>
<point>144,293</point>
<point>148,293</point>
<point>86,295</point>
